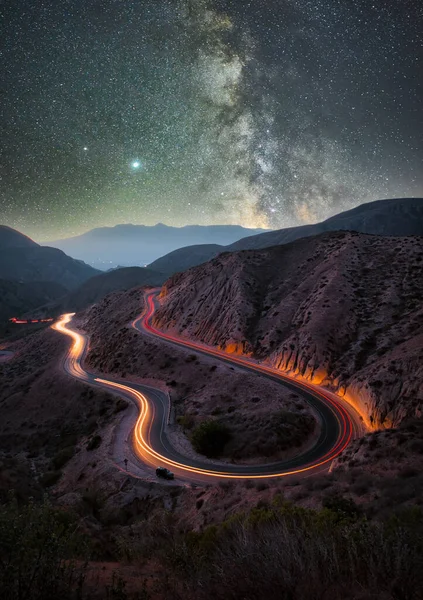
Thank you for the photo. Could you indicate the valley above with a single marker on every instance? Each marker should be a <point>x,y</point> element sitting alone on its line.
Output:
<point>211,300</point>
<point>268,381</point>
<point>151,424</point>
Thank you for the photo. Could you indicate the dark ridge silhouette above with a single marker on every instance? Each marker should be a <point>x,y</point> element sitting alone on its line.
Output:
<point>397,217</point>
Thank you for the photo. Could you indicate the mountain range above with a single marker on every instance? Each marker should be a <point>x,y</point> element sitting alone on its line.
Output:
<point>137,245</point>
<point>399,217</point>
<point>76,284</point>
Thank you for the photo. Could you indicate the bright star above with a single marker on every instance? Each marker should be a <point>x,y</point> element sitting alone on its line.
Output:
<point>136,164</point>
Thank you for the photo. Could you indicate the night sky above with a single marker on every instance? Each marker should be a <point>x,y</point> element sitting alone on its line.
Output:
<point>262,113</point>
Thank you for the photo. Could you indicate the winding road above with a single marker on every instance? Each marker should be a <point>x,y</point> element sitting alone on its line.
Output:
<point>339,422</point>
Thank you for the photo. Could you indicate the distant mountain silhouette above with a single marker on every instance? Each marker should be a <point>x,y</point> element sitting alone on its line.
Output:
<point>396,217</point>
<point>22,259</point>
<point>137,245</point>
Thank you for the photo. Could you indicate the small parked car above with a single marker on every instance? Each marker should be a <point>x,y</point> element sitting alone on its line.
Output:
<point>165,473</point>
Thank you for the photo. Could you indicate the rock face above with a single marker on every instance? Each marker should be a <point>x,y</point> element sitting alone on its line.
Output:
<point>340,309</point>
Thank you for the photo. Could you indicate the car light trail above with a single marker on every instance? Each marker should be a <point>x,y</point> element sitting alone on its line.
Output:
<point>147,453</point>
<point>146,420</point>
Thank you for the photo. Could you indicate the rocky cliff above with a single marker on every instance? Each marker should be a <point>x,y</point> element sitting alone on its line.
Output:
<point>341,309</point>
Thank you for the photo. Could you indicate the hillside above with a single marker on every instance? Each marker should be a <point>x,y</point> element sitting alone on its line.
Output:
<point>138,245</point>
<point>342,309</point>
<point>396,217</point>
<point>97,287</point>
<point>19,298</point>
<point>21,259</point>
<point>43,264</point>
<point>249,406</point>
<point>186,258</point>
<point>10,238</point>
<point>45,416</point>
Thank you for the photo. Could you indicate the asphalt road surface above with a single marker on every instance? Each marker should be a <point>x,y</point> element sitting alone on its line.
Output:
<point>339,422</point>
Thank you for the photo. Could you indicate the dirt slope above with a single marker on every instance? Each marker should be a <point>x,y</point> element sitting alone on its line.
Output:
<point>46,417</point>
<point>201,388</point>
<point>343,309</point>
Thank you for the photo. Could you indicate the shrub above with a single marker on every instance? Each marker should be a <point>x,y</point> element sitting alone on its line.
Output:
<point>210,438</point>
<point>37,545</point>
<point>344,508</point>
<point>50,478</point>
<point>94,442</point>
<point>286,551</point>
<point>63,457</point>
<point>120,405</point>
<point>261,486</point>
<point>409,472</point>
<point>185,421</point>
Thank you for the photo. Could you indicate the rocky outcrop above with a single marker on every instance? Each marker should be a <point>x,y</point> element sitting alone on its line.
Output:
<point>341,309</point>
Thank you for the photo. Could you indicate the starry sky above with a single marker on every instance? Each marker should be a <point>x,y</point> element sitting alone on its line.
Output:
<point>264,113</point>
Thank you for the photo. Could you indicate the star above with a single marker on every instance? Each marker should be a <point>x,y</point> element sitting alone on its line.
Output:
<point>244,103</point>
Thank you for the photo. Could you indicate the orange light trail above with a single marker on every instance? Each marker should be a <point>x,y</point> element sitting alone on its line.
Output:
<point>146,452</point>
<point>343,417</point>
<point>142,428</point>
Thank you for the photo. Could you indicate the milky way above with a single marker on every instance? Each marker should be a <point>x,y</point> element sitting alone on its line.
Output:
<point>264,113</point>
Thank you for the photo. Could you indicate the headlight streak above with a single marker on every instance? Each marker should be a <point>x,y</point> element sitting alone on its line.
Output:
<point>142,429</point>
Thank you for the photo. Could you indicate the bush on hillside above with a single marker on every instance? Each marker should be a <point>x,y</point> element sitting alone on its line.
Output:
<point>37,545</point>
<point>210,438</point>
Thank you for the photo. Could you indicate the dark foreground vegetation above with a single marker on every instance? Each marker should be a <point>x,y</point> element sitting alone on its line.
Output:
<point>276,551</point>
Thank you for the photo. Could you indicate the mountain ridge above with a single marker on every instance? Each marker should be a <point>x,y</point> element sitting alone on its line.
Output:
<point>96,288</point>
<point>308,308</point>
<point>26,261</point>
<point>138,245</point>
<point>371,218</point>
<point>12,238</point>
